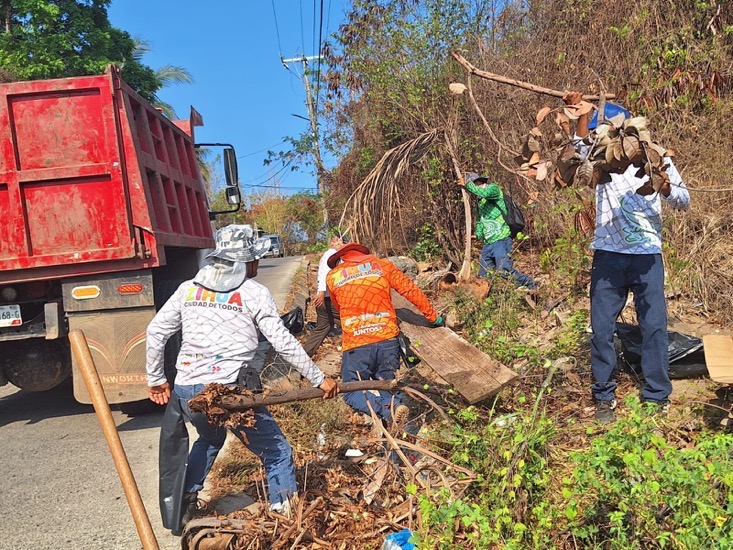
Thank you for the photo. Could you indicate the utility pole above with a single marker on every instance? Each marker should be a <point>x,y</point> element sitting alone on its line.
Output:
<point>313,116</point>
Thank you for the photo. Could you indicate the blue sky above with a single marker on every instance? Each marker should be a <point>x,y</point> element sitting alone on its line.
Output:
<point>232,48</point>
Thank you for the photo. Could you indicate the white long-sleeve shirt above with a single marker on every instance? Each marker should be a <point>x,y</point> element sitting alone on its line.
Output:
<point>220,331</point>
<point>627,222</point>
<point>323,270</point>
<point>630,223</point>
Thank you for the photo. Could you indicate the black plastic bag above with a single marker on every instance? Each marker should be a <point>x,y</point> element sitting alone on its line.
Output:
<point>408,356</point>
<point>172,464</point>
<point>250,379</point>
<point>686,358</point>
<point>294,320</point>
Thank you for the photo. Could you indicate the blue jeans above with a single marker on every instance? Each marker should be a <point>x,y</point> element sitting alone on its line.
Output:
<point>496,256</point>
<point>377,361</point>
<point>613,275</point>
<point>265,440</point>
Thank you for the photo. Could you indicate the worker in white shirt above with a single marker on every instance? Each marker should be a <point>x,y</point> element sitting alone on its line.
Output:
<point>327,315</point>
<point>221,313</point>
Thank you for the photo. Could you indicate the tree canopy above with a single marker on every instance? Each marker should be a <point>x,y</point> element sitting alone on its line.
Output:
<point>59,38</point>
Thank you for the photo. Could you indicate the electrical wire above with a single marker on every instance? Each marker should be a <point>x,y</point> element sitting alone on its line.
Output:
<point>302,32</point>
<point>272,176</point>
<point>313,44</point>
<point>261,150</point>
<point>318,71</point>
<point>277,31</point>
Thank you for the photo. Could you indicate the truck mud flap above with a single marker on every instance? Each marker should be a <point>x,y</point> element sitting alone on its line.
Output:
<point>172,464</point>
<point>211,533</point>
<point>117,343</point>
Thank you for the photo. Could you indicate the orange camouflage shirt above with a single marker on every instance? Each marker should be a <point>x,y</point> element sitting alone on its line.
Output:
<point>360,291</point>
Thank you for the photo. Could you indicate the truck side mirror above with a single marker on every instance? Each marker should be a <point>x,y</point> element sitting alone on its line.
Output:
<point>232,193</point>
<point>234,197</point>
<point>230,170</point>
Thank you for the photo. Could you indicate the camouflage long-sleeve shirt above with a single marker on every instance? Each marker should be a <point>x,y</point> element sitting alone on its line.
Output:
<point>490,226</point>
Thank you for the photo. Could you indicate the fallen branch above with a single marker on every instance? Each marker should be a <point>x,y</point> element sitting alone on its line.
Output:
<point>243,402</point>
<point>391,440</point>
<point>518,83</point>
<point>297,524</point>
<point>426,452</point>
<point>415,393</point>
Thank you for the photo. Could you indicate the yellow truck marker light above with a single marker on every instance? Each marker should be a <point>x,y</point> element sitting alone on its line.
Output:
<point>85,292</point>
<point>130,288</point>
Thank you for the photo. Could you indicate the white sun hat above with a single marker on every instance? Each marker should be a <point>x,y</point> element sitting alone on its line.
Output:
<point>235,246</point>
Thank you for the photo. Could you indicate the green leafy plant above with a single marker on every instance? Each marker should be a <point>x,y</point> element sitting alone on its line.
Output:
<point>633,489</point>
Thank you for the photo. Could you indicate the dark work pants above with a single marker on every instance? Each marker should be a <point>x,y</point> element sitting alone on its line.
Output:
<point>326,318</point>
<point>496,256</point>
<point>377,361</point>
<point>613,275</point>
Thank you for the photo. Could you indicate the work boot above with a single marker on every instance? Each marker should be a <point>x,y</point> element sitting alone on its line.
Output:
<point>190,503</point>
<point>401,415</point>
<point>604,411</point>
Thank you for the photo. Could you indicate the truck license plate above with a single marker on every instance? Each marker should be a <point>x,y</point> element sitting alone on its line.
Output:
<point>10,316</point>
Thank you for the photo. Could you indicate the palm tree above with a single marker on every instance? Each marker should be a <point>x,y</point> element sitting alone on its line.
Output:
<point>165,75</point>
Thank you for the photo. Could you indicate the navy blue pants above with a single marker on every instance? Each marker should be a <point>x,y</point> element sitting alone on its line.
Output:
<point>264,439</point>
<point>496,256</point>
<point>377,361</point>
<point>613,275</point>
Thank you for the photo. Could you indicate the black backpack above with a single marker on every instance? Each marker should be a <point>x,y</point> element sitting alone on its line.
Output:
<point>514,217</point>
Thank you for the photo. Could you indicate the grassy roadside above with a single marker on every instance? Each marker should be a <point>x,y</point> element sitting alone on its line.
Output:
<point>540,473</point>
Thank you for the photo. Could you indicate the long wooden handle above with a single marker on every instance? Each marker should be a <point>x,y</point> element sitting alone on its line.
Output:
<point>243,402</point>
<point>91,378</point>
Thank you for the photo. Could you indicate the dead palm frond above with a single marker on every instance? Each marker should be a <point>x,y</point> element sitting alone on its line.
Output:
<point>370,210</point>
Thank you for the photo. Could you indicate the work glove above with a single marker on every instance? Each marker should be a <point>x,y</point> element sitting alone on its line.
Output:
<point>439,322</point>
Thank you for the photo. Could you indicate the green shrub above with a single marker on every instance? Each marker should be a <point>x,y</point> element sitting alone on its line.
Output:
<point>632,489</point>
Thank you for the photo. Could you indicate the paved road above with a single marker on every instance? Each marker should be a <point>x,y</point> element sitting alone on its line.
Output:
<point>58,485</point>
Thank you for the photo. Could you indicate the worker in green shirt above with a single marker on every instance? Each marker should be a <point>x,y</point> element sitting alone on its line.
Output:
<point>492,229</point>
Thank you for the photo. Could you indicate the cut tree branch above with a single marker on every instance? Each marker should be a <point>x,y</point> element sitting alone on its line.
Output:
<point>518,83</point>
<point>244,402</point>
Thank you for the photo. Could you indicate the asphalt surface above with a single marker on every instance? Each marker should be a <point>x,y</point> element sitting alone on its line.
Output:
<point>59,488</point>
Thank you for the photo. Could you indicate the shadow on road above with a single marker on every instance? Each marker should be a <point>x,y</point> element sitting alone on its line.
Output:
<point>33,407</point>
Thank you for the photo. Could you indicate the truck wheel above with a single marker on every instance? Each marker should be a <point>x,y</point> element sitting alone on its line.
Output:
<point>36,365</point>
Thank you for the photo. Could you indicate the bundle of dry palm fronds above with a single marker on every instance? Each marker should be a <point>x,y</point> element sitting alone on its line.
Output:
<point>370,210</point>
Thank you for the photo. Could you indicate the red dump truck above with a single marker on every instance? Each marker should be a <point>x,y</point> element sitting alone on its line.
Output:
<point>103,211</point>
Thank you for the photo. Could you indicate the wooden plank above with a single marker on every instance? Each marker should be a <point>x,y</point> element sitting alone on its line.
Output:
<point>719,357</point>
<point>465,367</point>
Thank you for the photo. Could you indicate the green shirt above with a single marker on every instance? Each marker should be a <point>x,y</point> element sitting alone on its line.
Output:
<point>491,225</point>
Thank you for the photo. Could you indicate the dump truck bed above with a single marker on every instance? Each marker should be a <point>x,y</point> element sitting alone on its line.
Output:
<point>93,180</point>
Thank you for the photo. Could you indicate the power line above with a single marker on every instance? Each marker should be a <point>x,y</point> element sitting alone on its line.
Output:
<point>313,44</point>
<point>320,45</point>
<point>261,150</point>
<point>277,30</point>
<point>302,32</point>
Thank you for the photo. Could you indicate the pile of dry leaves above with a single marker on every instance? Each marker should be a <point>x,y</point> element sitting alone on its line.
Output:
<point>207,402</point>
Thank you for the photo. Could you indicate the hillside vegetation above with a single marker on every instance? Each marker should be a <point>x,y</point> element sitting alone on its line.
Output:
<point>670,61</point>
<point>530,468</point>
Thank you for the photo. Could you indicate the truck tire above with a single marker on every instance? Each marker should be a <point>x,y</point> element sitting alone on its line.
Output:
<point>162,290</point>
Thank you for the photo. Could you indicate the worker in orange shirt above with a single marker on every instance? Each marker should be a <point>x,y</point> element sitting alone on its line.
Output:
<point>359,284</point>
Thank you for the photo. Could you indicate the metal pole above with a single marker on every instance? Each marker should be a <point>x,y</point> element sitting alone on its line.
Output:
<point>109,429</point>
<point>313,116</point>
